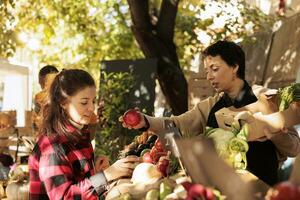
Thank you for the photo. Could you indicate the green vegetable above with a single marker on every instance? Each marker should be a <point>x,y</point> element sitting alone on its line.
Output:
<point>232,145</point>
<point>244,132</point>
<point>208,131</point>
<point>287,95</point>
<point>125,196</point>
<point>238,145</point>
<point>221,138</point>
<point>235,127</point>
<point>174,165</point>
<point>152,195</point>
<point>165,188</point>
<point>144,151</point>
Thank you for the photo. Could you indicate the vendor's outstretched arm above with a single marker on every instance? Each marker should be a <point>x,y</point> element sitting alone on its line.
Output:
<point>190,123</point>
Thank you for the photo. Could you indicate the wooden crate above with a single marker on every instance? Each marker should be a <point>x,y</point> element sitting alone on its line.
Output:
<point>11,137</point>
<point>7,132</point>
<point>28,118</point>
<point>8,118</point>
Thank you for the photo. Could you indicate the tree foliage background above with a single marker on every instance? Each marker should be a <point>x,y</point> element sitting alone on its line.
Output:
<point>83,33</point>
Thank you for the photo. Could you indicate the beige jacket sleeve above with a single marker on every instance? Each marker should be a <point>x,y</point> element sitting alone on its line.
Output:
<point>287,144</point>
<point>190,123</point>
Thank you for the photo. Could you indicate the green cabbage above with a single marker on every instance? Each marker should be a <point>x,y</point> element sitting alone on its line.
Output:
<point>231,146</point>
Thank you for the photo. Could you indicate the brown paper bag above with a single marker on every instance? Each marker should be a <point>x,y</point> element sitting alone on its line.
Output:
<point>258,121</point>
<point>226,117</point>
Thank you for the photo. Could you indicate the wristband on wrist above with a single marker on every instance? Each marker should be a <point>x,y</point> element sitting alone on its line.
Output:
<point>147,126</point>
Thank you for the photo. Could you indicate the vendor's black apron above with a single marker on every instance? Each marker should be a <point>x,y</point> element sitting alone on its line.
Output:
<point>261,157</point>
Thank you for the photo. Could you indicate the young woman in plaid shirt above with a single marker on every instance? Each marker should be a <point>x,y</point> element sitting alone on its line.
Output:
<point>62,162</point>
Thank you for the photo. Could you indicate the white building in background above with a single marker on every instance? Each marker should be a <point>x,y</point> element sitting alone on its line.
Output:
<point>15,89</point>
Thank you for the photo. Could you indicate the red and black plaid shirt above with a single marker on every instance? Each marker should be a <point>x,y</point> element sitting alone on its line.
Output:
<point>60,169</point>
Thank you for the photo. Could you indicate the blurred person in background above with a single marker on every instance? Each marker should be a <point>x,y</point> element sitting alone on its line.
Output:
<point>46,76</point>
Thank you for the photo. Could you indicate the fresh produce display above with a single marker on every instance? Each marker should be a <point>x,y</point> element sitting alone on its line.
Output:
<point>287,95</point>
<point>163,189</point>
<point>132,117</point>
<point>151,179</point>
<point>144,141</point>
<point>284,191</point>
<point>198,191</point>
<point>149,148</point>
<point>169,189</point>
<point>232,145</point>
<point>165,163</point>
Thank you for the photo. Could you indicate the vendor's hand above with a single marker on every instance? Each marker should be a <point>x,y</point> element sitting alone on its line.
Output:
<point>245,116</point>
<point>269,134</point>
<point>101,163</point>
<point>142,123</point>
<point>121,168</point>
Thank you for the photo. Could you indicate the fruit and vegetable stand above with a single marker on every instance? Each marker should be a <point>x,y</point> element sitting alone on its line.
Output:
<point>214,164</point>
<point>207,167</point>
<point>204,176</point>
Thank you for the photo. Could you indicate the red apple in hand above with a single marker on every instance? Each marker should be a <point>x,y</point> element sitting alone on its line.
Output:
<point>132,117</point>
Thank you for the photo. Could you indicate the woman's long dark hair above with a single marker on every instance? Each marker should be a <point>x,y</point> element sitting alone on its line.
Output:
<point>66,84</point>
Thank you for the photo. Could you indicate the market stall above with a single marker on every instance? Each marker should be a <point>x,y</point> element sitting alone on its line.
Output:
<point>213,165</point>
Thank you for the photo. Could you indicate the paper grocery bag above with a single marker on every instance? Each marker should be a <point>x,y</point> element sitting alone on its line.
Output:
<point>278,120</point>
<point>226,117</point>
<point>258,121</point>
<point>205,167</point>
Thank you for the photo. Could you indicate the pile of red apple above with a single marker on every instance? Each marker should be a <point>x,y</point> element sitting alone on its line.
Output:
<point>158,156</point>
<point>284,191</point>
